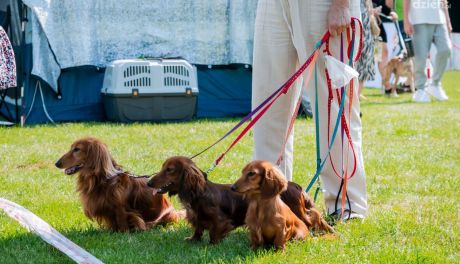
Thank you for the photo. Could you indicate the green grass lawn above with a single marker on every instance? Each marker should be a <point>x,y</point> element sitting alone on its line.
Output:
<point>412,162</point>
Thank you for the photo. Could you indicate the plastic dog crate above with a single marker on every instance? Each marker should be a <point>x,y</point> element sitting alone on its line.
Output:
<point>150,90</point>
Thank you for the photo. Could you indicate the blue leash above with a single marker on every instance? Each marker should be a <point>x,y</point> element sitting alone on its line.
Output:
<point>320,165</point>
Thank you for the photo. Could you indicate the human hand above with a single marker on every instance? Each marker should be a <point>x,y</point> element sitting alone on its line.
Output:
<point>393,16</point>
<point>377,11</point>
<point>408,28</point>
<point>338,17</point>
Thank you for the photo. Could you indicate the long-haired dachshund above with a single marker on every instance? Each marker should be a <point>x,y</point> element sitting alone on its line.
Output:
<point>209,206</point>
<point>217,208</point>
<point>269,219</point>
<point>115,199</point>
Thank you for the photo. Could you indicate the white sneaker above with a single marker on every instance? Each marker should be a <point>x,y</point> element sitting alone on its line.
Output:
<point>437,92</point>
<point>421,96</point>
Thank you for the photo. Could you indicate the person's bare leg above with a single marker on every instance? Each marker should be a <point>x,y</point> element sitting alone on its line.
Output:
<point>383,62</point>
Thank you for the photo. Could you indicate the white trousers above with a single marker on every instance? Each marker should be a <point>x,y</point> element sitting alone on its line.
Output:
<point>286,32</point>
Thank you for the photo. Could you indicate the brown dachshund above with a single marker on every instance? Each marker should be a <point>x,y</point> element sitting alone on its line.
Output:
<point>215,207</point>
<point>114,198</point>
<point>269,219</point>
<point>209,206</point>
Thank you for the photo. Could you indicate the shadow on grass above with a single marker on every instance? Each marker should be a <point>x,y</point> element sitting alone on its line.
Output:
<point>195,120</point>
<point>158,245</point>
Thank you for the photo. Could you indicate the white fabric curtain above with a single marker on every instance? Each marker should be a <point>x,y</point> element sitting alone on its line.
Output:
<point>94,32</point>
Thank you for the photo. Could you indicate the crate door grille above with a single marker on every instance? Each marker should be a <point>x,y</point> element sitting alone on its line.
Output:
<point>130,74</point>
<point>176,75</point>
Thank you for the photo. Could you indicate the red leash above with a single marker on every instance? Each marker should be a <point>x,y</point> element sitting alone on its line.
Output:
<point>296,111</point>
<point>339,98</point>
<point>345,176</point>
<point>285,89</point>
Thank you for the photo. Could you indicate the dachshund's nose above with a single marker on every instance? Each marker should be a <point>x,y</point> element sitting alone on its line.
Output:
<point>58,164</point>
<point>233,187</point>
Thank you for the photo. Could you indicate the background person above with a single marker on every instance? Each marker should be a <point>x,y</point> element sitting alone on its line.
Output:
<point>7,62</point>
<point>398,8</point>
<point>428,22</point>
<point>365,65</point>
<point>384,7</point>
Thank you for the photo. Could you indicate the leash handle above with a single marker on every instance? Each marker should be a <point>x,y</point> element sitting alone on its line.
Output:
<point>321,162</point>
<point>350,48</point>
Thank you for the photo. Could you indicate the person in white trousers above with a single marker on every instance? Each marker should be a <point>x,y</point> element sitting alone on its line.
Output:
<point>428,22</point>
<point>286,32</point>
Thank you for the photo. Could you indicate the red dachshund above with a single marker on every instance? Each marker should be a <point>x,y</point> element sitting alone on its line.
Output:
<point>269,219</point>
<point>114,198</point>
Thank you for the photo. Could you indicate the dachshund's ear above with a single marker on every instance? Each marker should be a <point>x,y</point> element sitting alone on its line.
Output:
<point>194,177</point>
<point>99,159</point>
<point>273,183</point>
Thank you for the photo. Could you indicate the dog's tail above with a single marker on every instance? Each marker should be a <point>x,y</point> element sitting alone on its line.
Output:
<point>170,215</point>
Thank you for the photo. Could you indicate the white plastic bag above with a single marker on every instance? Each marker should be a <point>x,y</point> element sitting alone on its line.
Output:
<point>339,72</point>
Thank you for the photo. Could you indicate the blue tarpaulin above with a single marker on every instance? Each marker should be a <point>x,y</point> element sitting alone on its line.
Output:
<point>224,91</point>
